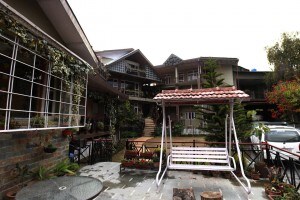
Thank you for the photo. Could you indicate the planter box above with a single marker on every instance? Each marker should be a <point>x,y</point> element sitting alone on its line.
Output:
<point>129,154</point>
<point>146,155</point>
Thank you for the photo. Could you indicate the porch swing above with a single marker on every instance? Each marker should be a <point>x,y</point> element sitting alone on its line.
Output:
<point>201,158</point>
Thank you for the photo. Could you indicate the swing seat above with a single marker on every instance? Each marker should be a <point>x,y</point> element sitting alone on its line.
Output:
<point>200,158</point>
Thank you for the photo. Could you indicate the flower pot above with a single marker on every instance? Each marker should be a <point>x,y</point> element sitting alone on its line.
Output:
<point>49,149</point>
<point>156,164</point>
<point>127,164</point>
<point>129,154</point>
<point>255,176</point>
<point>11,195</point>
<point>270,191</point>
<point>272,197</point>
<point>146,155</point>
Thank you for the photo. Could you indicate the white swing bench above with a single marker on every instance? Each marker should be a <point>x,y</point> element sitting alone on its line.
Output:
<point>201,158</point>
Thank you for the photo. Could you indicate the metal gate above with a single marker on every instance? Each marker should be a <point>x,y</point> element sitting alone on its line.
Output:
<point>102,150</point>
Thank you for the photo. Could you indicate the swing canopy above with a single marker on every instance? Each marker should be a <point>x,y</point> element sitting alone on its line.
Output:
<point>201,96</point>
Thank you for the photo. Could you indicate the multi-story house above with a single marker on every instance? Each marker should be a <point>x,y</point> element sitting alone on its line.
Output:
<point>254,84</point>
<point>187,74</point>
<point>44,62</point>
<point>132,74</point>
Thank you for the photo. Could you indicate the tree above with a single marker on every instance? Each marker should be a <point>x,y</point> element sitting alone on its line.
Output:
<point>212,77</point>
<point>285,56</point>
<point>286,95</point>
<point>213,116</point>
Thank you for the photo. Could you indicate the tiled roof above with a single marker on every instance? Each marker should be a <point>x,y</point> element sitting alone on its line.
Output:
<point>207,95</point>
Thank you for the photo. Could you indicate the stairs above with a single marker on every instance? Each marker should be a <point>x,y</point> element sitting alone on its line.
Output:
<point>200,158</point>
<point>149,127</point>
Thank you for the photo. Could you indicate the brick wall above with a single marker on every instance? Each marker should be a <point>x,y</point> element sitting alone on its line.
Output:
<point>26,148</point>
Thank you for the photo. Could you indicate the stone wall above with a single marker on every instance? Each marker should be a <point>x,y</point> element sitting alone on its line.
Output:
<point>26,148</point>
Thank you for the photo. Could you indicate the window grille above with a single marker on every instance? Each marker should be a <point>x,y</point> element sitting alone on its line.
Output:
<point>31,97</point>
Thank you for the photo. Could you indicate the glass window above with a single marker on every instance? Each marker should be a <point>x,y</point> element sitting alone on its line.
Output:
<point>4,79</point>
<point>283,136</point>
<point>193,75</point>
<point>25,56</point>
<point>181,78</point>
<point>6,47</point>
<point>21,86</point>
<point>167,79</point>
<point>5,64</point>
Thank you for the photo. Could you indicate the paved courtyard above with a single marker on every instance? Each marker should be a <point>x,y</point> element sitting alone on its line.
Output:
<point>140,184</point>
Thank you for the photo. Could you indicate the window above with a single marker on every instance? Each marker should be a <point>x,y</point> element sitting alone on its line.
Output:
<point>193,75</point>
<point>167,79</point>
<point>190,115</point>
<point>31,96</point>
<point>181,78</point>
<point>113,83</point>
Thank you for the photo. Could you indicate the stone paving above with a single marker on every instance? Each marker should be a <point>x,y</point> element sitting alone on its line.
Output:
<point>133,184</point>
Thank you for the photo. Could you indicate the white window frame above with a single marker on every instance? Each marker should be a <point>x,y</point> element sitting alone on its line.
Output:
<point>44,112</point>
<point>192,75</point>
<point>168,79</point>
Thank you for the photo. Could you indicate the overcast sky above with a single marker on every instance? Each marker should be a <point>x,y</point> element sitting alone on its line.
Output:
<point>189,28</point>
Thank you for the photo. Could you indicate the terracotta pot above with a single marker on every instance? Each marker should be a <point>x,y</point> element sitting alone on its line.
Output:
<point>11,195</point>
<point>255,176</point>
<point>269,191</point>
<point>146,155</point>
<point>156,164</point>
<point>272,197</point>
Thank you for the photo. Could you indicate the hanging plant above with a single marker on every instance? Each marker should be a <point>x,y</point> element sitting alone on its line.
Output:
<point>63,64</point>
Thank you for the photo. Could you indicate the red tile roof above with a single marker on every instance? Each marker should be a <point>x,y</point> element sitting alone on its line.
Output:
<point>207,95</point>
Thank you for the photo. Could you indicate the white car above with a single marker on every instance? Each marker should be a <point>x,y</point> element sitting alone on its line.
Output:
<point>284,137</point>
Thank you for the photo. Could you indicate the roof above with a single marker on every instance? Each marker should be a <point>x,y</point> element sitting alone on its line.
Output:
<point>114,54</point>
<point>137,51</point>
<point>193,60</point>
<point>201,96</point>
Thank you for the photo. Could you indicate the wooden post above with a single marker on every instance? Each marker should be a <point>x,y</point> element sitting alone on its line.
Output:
<point>210,195</point>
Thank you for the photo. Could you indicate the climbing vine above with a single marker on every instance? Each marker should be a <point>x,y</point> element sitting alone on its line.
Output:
<point>63,65</point>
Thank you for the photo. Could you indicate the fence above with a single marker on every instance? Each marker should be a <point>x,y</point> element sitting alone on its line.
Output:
<point>254,153</point>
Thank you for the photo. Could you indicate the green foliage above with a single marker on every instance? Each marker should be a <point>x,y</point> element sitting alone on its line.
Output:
<point>211,76</point>
<point>157,130</point>
<point>65,167</point>
<point>260,129</point>
<point>214,115</point>
<point>285,57</point>
<point>37,122</point>
<point>177,128</point>
<point>128,119</point>
<point>130,134</point>
<point>286,95</point>
<point>43,173</point>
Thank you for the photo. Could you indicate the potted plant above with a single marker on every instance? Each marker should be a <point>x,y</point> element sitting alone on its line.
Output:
<point>50,148</point>
<point>131,154</point>
<point>100,126</point>
<point>42,174</point>
<point>65,167</point>
<point>255,175</point>
<point>127,163</point>
<point>37,122</point>
<point>156,162</point>
<point>146,155</point>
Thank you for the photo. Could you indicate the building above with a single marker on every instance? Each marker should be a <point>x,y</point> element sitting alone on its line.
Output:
<point>254,84</point>
<point>45,64</point>
<point>177,73</point>
<point>132,74</point>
